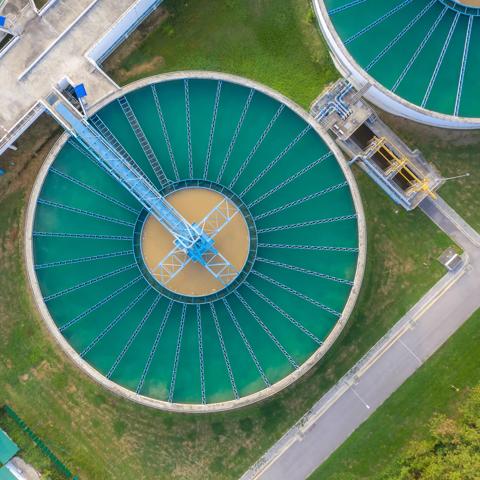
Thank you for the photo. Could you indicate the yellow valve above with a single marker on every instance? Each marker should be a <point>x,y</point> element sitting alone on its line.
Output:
<point>401,165</point>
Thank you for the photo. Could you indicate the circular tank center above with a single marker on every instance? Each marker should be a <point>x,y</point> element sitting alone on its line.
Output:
<point>233,242</point>
<point>469,3</point>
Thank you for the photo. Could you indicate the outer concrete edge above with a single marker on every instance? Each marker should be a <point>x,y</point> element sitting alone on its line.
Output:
<point>231,404</point>
<point>377,93</point>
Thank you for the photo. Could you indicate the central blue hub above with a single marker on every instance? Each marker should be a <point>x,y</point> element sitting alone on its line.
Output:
<point>202,245</point>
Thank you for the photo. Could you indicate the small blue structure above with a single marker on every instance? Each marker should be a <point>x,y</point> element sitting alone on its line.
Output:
<point>80,90</point>
<point>3,20</point>
<point>8,448</point>
<point>2,172</point>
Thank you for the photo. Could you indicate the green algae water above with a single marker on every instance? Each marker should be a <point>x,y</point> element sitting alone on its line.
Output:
<point>425,51</point>
<point>115,317</point>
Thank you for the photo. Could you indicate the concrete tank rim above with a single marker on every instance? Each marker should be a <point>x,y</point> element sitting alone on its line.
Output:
<point>229,405</point>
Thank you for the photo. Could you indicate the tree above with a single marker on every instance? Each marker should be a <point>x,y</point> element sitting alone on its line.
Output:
<point>452,451</point>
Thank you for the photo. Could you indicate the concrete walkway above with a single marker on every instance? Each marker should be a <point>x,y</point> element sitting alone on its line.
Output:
<point>52,47</point>
<point>392,360</point>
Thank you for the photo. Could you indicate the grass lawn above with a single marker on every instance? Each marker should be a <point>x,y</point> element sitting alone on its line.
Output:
<point>29,451</point>
<point>40,3</point>
<point>378,442</point>
<point>103,437</point>
<point>272,41</point>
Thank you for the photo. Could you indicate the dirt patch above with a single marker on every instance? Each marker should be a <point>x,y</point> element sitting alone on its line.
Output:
<point>22,165</point>
<point>112,65</point>
<point>43,370</point>
<point>142,70</point>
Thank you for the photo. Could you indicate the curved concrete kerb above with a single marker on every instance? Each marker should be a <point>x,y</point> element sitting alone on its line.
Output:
<point>214,407</point>
<point>377,93</point>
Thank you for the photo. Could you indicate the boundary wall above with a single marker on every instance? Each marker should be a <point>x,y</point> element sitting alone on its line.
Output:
<point>121,30</point>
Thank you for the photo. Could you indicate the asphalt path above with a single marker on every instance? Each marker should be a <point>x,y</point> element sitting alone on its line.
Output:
<point>419,334</point>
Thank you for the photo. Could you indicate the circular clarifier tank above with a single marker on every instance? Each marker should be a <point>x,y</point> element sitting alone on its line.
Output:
<point>421,57</point>
<point>295,239</point>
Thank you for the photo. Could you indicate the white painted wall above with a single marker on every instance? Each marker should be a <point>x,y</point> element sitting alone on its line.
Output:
<point>121,29</point>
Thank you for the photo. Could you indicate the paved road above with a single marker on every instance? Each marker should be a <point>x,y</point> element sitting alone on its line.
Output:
<point>395,357</point>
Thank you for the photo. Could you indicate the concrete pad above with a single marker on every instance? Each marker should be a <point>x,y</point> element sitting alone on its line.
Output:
<point>66,43</point>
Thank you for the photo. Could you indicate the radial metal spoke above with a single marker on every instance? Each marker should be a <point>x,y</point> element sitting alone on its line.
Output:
<point>310,223</point>
<point>92,236</point>
<point>114,322</point>
<point>276,160</point>
<point>99,304</point>
<point>94,190</point>
<point>466,50</point>
<point>189,127</point>
<point>419,49</point>
<point>86,213</point>
<point>378,21</point>
<point>246,342</point>
<point>297,293</point>
<point>73,261</point>
<point>400,35</point>
<point>224,351</point>
<point>133,336</point>
<point>295,203</point>
<point>212,128</point>
<point>90,282</point>
<point>267,330</point>
<point>256,146</point>
<point>113,157</point>
<point>105,131</point>
<point>317,248</point>
<point>74,143</point>
<point>312,273</point>
<point>171,390</point>
<point>201,355</point>
<point>142,140</point>
<point>235,135</point>
<point>165,132</point>
<point>353,3</point>
<point>284,313</point>
<point>153,350</point>
<point>290,179</point>
<point>440,60</point>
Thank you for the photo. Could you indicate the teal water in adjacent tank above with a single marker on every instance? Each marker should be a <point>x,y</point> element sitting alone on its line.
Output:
<point>258,334</point>
<point>425,51</point>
